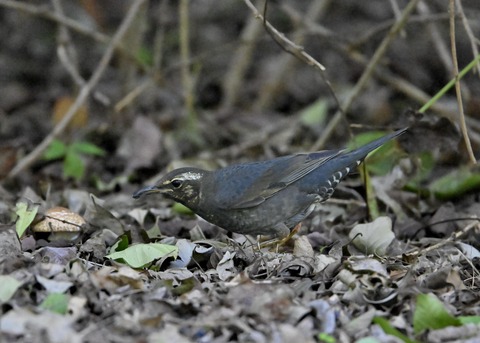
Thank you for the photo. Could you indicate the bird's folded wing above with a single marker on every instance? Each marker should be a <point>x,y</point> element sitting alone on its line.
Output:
<point>276,177</point>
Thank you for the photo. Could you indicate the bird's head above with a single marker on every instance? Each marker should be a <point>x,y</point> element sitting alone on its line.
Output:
<point>182,185</point>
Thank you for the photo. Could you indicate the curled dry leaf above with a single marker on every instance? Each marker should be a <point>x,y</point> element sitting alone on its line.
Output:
<point>374,237</point>
<point>62,223</point>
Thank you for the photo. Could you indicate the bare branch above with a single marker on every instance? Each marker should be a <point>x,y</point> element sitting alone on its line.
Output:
<point>82,96</point>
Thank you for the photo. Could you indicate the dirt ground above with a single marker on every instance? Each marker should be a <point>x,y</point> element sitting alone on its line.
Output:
<point>100,98</point>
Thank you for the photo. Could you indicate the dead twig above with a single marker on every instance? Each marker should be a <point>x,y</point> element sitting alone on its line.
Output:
<point>156,72</point>
<point>45,12</point>
<point>473,40</point>
<point>185,57</point>
<point>68,55</point>
<point>455,236</point>
<point>83,94</point>
<point>383,26</point>
<point>399,83</point>
<point>232,82</point>
<point>458,90</point>
<point>286,43</point>
<point>293,48</point>
<point>437,40</point>
<point>285,63</point>
<point>367,74</point>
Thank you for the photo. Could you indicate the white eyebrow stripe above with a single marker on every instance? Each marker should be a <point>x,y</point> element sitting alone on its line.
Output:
<point>189,176</point>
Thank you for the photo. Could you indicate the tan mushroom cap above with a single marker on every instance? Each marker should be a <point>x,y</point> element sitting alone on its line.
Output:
<point>60,219</point>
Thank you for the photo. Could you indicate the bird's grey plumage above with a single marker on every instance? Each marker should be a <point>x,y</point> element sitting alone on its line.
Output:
<point>267,197</point>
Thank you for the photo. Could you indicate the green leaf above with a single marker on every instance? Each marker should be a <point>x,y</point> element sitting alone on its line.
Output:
<point>185,286</point>
<point>368,340</point>
<point>381,160</point>
<point>390,330</point>
<point>73,166</point>
<point>87,149</point>
<point>8,287</point>
<point>25,217</point>
<point>121,244</point>
<point>326,338</point>
<point>139,255</point>
<point>314,114</point>
<point>469,319</point>
<point>181,209</point>
<point>144,56</point>
<point>456,183</point>
<point>431,314</point>
<point>425,163</point>
<point>55,150</point>
<point>364,138</point>
<point>56,302</point>
<point>117,181</point>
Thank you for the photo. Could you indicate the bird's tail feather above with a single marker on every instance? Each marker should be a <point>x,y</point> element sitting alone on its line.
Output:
<point>362,152</point>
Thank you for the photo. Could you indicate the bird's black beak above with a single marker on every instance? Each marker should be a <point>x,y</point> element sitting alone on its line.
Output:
<point>145,190</point>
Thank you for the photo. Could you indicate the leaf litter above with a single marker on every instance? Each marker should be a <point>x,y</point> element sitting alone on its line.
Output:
<point>233,291</point>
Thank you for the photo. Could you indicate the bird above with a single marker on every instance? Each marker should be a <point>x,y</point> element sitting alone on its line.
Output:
<point>268,197</point>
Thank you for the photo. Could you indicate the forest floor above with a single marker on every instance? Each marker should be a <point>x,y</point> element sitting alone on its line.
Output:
<point>99,99</point>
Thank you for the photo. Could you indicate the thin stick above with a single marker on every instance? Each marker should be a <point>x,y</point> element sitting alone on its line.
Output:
<point>439,43</point>
<point>82,96</point>
<point>284,41</point>
<point>367,74</point>
<point>186,72</point>
<point>232,82</point>
<point>293,48</point>
<point>450,84</point>
<point>68,56</point>
<point>45,12</point>
<point>452,238</point>
<point>277,81</point>
<point>469,32</point>
<point>458,90</point>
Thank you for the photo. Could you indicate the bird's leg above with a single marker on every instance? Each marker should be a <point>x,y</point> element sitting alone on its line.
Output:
<point>291,234</point>
<point>282,241</point>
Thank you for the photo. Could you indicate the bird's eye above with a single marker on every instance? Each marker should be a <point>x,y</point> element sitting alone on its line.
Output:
<point>176,183</point>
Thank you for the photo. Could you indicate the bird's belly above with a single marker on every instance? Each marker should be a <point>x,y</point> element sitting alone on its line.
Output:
<point>263,218</point>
